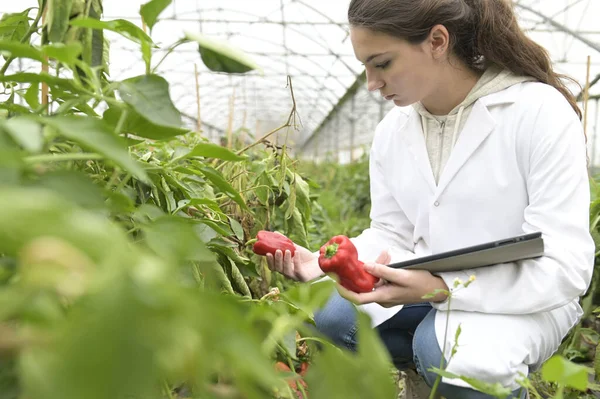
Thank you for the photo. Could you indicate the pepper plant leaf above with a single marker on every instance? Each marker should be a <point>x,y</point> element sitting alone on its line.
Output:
<point>210,150</point>
<point>26,132</point>
<point>140,126</point>
<point>20,50</point>
<point>51,81</point>
<point>220,56</point>
<point>121,26</point>
<point>566,373</point>
<point>13,27</point>
<point>149,96</point>
<point>95,135</point>
<point>65,53</point>
<point>217,179</point>
<point>151,10</point>
<point>57,17</point>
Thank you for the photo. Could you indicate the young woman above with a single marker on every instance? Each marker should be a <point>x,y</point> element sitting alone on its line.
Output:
<point>491,147</point>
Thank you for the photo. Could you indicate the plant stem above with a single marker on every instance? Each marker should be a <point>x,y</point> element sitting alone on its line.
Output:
<point>25,38</point>
<point>171,49</point>
<point>289,123</point>
<point>121,122</point>
<point>80,156</point>
<point>438,380</point>
<point>123,182</point>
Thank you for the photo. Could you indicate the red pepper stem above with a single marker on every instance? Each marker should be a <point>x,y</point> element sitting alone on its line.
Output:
<point>331,250</point>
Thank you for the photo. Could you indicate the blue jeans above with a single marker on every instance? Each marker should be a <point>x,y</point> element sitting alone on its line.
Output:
<point>409,337</point>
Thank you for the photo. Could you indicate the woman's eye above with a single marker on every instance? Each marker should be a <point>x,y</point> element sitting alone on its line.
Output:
<point>383,65</point>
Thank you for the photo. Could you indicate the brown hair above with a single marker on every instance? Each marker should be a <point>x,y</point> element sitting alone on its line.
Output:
<point>483,33</point>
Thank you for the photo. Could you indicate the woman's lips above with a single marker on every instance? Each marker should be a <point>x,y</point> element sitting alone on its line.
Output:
<point>390,97</point>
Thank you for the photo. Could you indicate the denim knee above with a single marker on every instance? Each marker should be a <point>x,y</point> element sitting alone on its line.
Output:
<point>337,321</point>
<point>427,354</point>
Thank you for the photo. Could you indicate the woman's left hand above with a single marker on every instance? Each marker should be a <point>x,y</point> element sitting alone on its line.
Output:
<point>398,287</point>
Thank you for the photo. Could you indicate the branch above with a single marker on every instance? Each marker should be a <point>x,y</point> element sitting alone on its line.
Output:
<point>24,39</point>
<point>289,122</point>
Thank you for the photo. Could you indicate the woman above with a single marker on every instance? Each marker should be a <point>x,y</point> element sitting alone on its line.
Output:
<point>491,147</point>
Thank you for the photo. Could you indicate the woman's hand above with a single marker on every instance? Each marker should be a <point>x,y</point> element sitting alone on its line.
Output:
<point>398,286</point>
<point>303,266</point>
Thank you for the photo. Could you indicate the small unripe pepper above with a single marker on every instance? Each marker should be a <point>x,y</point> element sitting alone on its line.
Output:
<point>270,241</point>
<point>339,256</point>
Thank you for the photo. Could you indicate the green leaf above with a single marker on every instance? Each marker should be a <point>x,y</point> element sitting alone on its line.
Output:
<point>149,96</point>
<point>175,238</point>
<point>310,297</point>
<point>219,56</point>
<point>32,96</point>
<point>219,227</point>
<point>495,390</point>
<point>217,179</point>
<point>13,27</point>
<point>113,316</point>
<point>211,150</point>
<point>74,185</point>
<point>120,26</point>
<point>13,109</point>
<point>65,53</point>
<point>296,229</point>
<point>566,373</point>
<point>348,375</point>
<point>140,126</point>
<point>291,202</point>
<point>94,134</point>
<point>58,13</point>
<point>237,228</point>
<point>26,132</point>
<point>20,50</point>
<point>262,191</point>
<point>151,10</point>
<point>29,213</point>
<point>52,81</point>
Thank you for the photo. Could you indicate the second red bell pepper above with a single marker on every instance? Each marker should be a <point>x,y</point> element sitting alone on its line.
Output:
<point>270,241</point>
<point>339,256</point>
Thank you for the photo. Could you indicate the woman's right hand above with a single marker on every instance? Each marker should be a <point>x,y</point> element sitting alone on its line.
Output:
<point>303,266</point>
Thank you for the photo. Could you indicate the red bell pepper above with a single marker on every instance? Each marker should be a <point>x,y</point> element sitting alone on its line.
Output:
<point>270,241</point>
<point>339,256</point>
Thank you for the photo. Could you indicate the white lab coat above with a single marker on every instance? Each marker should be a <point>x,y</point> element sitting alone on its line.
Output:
<point>519,166</point>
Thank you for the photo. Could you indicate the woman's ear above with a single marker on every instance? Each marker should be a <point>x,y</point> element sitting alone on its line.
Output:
<point>439,41</point>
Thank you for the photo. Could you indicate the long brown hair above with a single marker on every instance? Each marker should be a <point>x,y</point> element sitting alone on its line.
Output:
<point>483,33</point>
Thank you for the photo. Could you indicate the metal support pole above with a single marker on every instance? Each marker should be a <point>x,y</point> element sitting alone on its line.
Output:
<point>352,127</point>
<point>316,149</point>
<point>337,136</point>
<point>595,133</point>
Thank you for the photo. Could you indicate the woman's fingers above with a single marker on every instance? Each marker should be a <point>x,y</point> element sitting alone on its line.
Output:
<point>287,265</point>
<point>395,276</point>
<point>380,283</point>
<point>386,296</point>
<point>384,258</point>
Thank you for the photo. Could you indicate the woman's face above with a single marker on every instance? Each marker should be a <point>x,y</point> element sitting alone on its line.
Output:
<point>402,72</point>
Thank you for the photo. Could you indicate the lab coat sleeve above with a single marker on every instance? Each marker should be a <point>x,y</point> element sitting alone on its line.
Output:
<point>390,229</point>
<point>559,200</point>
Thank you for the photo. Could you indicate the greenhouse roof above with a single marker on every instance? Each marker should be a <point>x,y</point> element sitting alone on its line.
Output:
<point>307,40</point>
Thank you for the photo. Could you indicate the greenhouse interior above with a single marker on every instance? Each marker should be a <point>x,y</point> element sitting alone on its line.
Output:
<point>177,176</point>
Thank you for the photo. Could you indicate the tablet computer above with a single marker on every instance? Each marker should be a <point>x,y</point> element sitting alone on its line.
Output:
<point>491,253</point>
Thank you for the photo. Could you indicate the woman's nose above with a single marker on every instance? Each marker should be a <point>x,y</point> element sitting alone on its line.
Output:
<point>373,83</point>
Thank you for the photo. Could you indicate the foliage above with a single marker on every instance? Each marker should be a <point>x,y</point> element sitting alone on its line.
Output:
<point>341,199</point>
<point>125,261</point>
<point>125,267</point>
